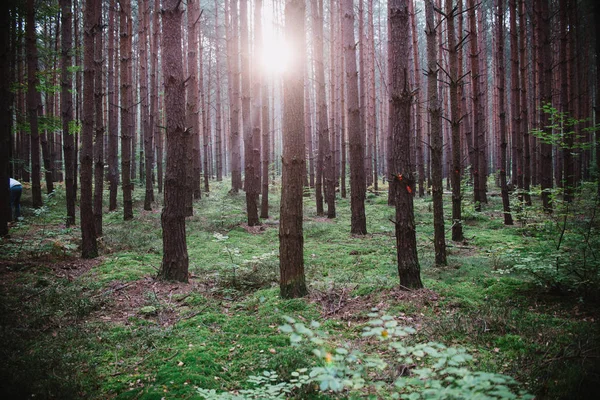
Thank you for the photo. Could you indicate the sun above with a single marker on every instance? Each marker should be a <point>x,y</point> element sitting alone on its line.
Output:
<point>275,55</point>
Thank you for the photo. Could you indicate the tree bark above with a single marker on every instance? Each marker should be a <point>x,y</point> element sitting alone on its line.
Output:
<point>113,114</point>
<point>126,108</point>
<point>437,143</point>
<point>399,125</point>
<point>476,107</point>
<point>66,106</point>
<point>321,108</point>
<point>5,118</point>
<point>502,109</point>
<point>32,104</point>
<point>233,58</point>
<point>355,136</point>
<point>89,246</point>
<point>147,118</point>
<point>455,119</point>
<point>264,204</point>
<point>175,257</point>
<point>99,119</point>
<point>291,241</point>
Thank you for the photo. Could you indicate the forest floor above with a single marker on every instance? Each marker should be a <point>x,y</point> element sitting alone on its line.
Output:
<point>105,328</point>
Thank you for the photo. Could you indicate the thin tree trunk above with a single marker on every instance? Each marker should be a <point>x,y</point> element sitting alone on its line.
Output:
<point>5,117</point>
<point>524,109</point>
<point>418,99</point>
<point>175,260</point>
<point>476,107</point>
<point>192,111</point>
<point>435,114</point>
<point>455,119</point>
<point>321,107</point>
<point>99,113</point>
<point>32,104</point>
<point>145,104</point>
<point>113,114</point>
<point>89,246</point>
<point>358,225</point>
<point>66,107</point>
<point>545,85</point>
<point>264,204</point>
<point>502,109</point>
<point>236,158</point>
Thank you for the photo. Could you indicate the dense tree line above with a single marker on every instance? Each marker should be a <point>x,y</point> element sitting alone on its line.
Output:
<point>172,95</point>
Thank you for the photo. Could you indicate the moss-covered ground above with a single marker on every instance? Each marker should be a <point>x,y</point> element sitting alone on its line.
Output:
<point>104,328</point>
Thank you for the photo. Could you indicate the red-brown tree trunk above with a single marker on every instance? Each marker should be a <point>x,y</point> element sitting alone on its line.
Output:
<point>358,224</point>
<point>175,257</point>
<point>399,124</point>
<point>291,242</point>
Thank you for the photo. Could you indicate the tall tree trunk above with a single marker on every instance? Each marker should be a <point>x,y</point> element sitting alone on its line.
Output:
<point>419,119</point>
<point>113,114</point>
<point>249,165</point>
<point>373,130</point>
<point>126,108</point>
<point>205,120</point>
<point>66,106</point>
<point>89,246</point>
<point>32,104</point>
<point>192,110</point>
<point>361,89</point>
<point>524,109</point>
<point>437,143</point>
<point>321,107</point>
<point>218,119</point>
<point>256,104</point>
<point>99,119</point>
<point>175,256</point>
<point>476,107</point>
<point>516,138</point>
<point>291,241</point>
<point>234,66</point>
<point>147,119</point>
<point>545,85</point>
<point>399,125</point>
<point>5,118</point>
<point>358,224</point>
<point>502,109</point>
<point>154,133</point>
<point>455,119</point>
<point>264,204</point>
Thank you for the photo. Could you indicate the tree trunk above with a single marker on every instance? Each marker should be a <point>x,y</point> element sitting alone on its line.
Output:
<point>218,119</point>
<point>192,110</point>
<point>5,118</point>
<point>126,108</point>
<point>322,125</point>
<point>291,241</point>
<point>355,136</point>
<point>500,57</point>
<point>89,247</point>
<point>147,119</point>
<point>113,113</point>
<point>264,205</point>
<point>99,119</point>
<point>524,109</point>
<point>399,125</point>
<point>437,143</point>
<point>32,104</point>
<point>249,172</point>
<point>175,257</point>
<point>545,87</point>
<point>233,58</point>
<point>476,107</point>
<point>419,119</point>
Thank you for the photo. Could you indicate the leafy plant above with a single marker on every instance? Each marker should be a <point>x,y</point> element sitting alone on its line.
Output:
<point>425,370</point>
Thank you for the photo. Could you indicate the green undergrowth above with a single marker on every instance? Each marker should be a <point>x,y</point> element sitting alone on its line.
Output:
<point>75,332</point>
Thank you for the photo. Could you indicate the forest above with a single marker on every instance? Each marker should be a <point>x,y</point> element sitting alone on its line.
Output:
<point>309,199</point>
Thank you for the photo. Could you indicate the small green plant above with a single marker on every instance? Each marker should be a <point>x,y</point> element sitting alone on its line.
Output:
<point>425,370</point>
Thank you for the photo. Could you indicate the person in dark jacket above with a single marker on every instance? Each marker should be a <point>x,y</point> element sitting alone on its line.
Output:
<point>15,198</point>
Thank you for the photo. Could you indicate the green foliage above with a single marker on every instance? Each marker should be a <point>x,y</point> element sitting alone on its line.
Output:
<point>564,130</point>
<point>427,370</point>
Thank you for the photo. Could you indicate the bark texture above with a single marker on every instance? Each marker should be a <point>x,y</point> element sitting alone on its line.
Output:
<point>175,257</point>
<point>291,241</point>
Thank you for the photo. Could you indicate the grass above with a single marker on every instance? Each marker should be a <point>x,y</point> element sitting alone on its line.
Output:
<point>106,329</point>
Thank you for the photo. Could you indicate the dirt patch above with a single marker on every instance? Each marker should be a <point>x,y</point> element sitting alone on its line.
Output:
<point>255,230</point>
<point>321,219</point>
<point>339,302</point>
<point>159,301</point>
